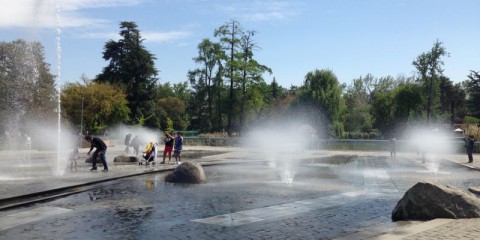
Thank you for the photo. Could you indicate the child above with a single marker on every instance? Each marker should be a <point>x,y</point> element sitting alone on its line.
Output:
<point>177,151</point>
<point>74,156</point>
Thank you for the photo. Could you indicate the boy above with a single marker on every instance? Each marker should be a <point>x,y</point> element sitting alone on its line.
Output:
<point>177,151</point>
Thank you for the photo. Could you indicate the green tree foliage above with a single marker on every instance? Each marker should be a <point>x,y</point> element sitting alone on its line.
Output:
<point>430,67</point>
<point>104,105</point>
<point>407,105</point>
<point>358,118</point>
<point>251,74</point>
<point>472,87</point>
<point>203,81</point>
<point>27,89</point>
<point>172,108</point>
<point>230,34</point>
<point>132,68</point>
<point>321,96</point>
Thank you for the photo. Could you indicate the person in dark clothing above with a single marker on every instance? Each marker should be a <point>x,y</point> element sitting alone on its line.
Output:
<point>100,150</point>
<point>169,140</point>
<point>469,147</point>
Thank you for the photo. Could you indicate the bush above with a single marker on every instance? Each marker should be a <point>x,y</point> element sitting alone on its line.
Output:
<point>471,120</point>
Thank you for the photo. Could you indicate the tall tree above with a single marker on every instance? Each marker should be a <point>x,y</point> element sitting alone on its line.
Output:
<point>251,71</point>
<point>132,67</point>
<point>229,35</point>
<point>430,67</point>
<point>203,78</point>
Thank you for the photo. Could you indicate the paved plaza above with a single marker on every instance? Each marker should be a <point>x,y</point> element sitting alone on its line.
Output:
<point>314,195</point>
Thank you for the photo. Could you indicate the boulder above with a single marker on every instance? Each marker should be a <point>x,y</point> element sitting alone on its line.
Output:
<point>187,172</point>
<point>126,159</point>
<point>89,160</point>
<point>426,201</point>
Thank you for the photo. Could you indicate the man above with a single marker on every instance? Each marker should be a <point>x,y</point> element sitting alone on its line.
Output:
<point>178,147</point>
<point>100,148</point>
<point>469,146</point>
<point>168,147</point>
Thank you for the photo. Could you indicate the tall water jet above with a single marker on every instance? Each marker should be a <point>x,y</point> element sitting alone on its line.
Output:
<point>59,68</point>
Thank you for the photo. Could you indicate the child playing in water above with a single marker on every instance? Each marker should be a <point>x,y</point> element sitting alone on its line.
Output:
<point>74,156</point>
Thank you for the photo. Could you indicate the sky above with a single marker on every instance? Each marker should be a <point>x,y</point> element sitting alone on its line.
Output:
<point>350,37</point>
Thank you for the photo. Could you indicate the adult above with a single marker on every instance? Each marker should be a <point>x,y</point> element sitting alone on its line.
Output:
<point>393,147</point>
<point>178,147</point>
<point>168,147</point>
<point>128,137</point>
<point>469,147</point>
<point>135,144</point>
<point>100,150</point>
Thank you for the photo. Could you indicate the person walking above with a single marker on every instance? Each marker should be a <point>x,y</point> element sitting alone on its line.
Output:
<point>128,137</point>
<point>100,149</point>
<point>135,144</point>
<point>169,140</point>
<point>178,147</point>
<point>393,147</point>
<point>469,147</point>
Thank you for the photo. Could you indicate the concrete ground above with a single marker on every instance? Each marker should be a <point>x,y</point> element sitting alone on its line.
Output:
<point>343,205</point>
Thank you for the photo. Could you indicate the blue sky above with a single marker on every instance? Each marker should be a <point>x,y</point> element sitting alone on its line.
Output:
<point>350,37</point>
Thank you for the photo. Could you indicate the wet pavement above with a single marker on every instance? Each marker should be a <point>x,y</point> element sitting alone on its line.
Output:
<point>315,195</point>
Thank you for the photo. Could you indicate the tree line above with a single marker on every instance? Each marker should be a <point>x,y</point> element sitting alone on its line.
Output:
<point>227,91</point>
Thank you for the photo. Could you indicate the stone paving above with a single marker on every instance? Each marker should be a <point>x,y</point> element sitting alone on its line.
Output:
<point>304,216</point>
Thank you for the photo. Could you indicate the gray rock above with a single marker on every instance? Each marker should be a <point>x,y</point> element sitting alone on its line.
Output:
<point>426,201</point>
<point>126,159</point>
<point>187,172</point>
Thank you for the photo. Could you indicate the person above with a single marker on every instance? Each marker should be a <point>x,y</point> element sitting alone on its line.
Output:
<point>168,147</point>
<point>178,146</point>
<point>74,156</point>
<point>393,142</point>
<point>150,152</point>
<point>128,137</point>
<point>100,149</point>
<point>469,147</point>
<point>135,144</point>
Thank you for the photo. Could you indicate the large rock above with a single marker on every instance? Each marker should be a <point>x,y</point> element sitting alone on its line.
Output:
<point>126,159</point>
<point>426,201</point>
<point>187,172</point>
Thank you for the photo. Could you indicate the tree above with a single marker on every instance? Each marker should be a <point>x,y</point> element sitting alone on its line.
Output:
<point>473,93</point>
<point>357,99</point>
<point>203,79</point>
<point>321,94</point>
<point>407,105</point>
<point>429,66</point>
<point>251,71</point>
<point>174,109</point>
<point>132,68</point>
<point>104,105</point>
<point>27,88</point>
<point>229,35</point>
